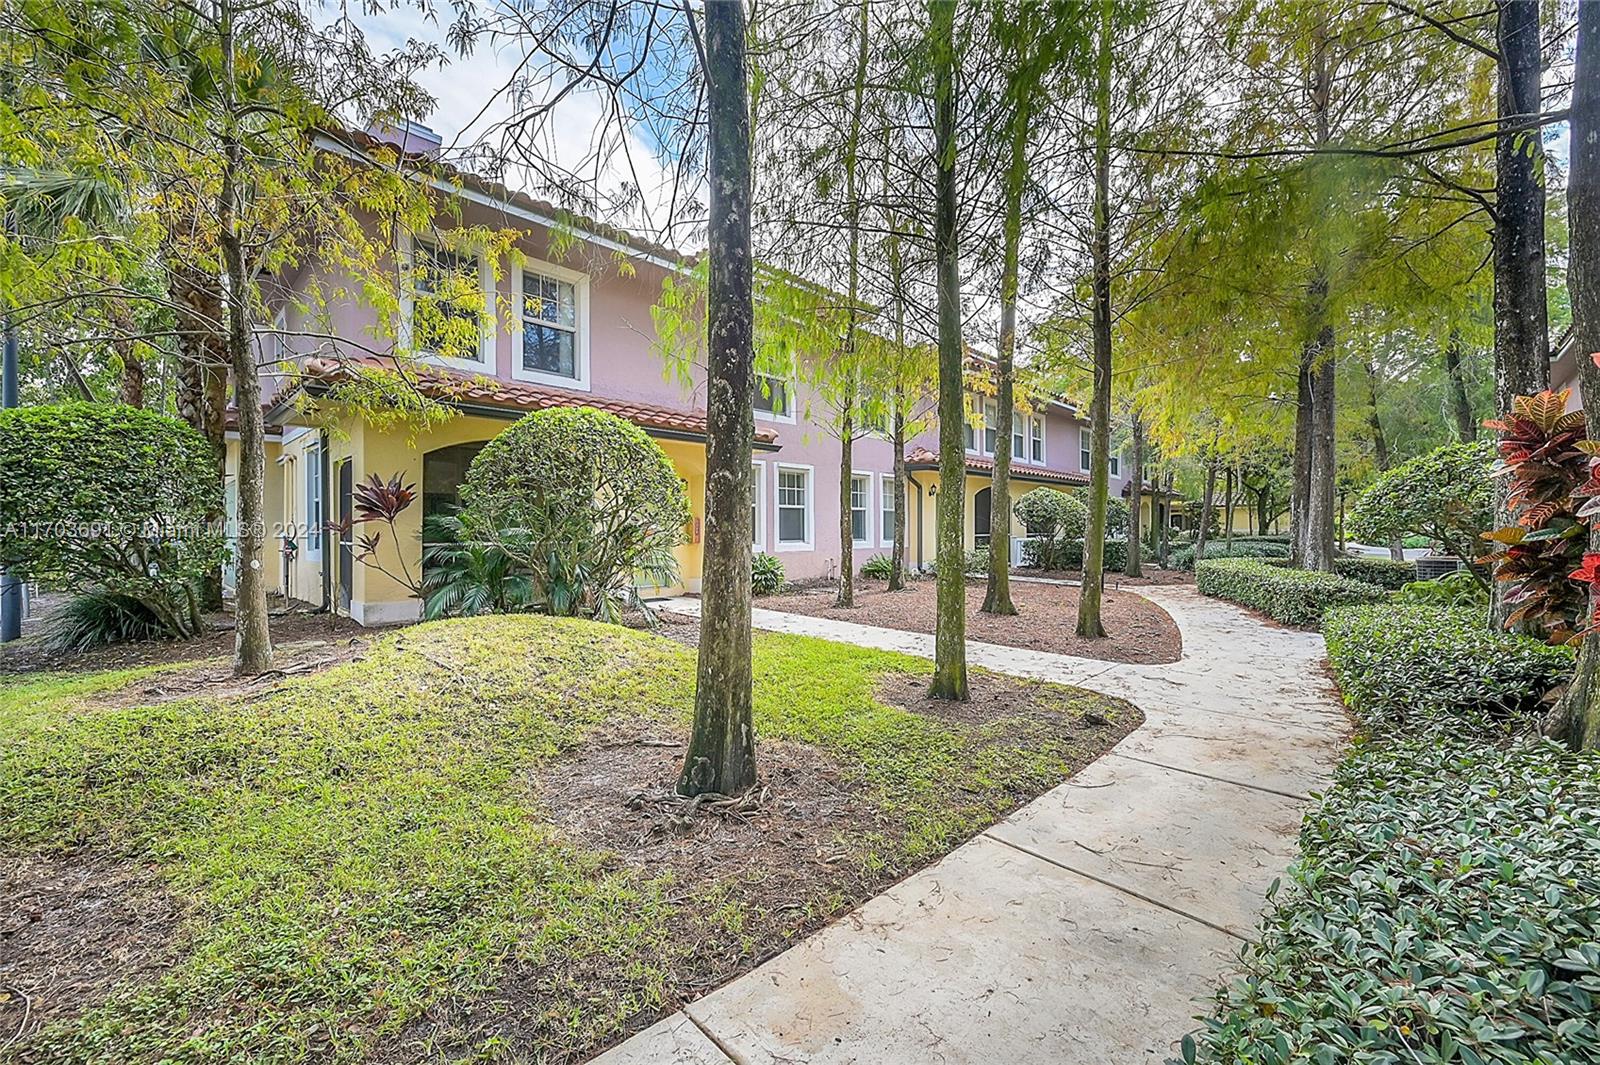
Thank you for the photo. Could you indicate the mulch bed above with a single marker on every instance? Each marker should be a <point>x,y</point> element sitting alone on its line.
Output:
<point>290,627</point>
<point>787,857</point>
<point>1047,615</point>
<point>74,926</point>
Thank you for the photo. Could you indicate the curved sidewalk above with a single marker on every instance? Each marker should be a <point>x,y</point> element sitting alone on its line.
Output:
<point>1091,925</point>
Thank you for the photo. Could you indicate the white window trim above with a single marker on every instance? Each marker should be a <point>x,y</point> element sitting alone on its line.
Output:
<point>758,470</point>
<point>886,491</point>
<point>809,544</point>
<point>485,363</point>
<point>1085,450</point>
<point>787,417</point>
<point>580,342</point>
<point>1114,464</point>
<point>867,476</point>
<point>313,473</point>
<point>1044,445</point>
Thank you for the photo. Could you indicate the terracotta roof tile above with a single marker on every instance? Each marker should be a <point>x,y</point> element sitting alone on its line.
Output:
<point>478,390</point>
<point>921,456</point>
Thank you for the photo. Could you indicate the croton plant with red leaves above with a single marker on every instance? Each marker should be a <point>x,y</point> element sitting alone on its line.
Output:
<point>1546,455</point>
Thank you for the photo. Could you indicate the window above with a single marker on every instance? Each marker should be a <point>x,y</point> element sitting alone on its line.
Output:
<point>772,398</point>
<point>1017,450</point>
<point>549,326</point>
<point>1113,461</point>
<point>450,309</point>
<point>794,507</point>
<point>886,499</point>
<point>860,509</point>
<point>758,491</point>
<point>990,417</point>
<point>1036,439</point>
<point>313,468</point>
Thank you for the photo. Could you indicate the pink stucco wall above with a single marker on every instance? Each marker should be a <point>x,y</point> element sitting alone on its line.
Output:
<point>624,364</point>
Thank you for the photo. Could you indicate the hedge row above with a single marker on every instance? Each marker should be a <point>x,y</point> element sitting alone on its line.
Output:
<point>1446,908</point>
<point>1240,547</point>
<point>1408,665</point>
<point>1292,596</point>
<point>1384,572</point>
<point>1068,554</point>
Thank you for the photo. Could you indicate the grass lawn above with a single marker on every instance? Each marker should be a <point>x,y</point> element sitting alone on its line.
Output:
<point>460,845</point>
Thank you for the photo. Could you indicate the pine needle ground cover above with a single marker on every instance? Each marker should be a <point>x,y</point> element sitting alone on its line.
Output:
<point>461,846</point>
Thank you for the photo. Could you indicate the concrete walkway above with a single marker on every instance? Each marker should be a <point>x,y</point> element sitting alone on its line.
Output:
<point>1092,925</point>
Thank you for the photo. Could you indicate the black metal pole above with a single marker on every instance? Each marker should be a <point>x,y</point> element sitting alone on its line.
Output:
<point>10,587</point>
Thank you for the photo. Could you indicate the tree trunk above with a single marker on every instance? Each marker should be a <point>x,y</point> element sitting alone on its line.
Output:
<point>1090,624</point>
<point>1134,566</point>
<point>252,647</point>
<point>1576,720</point>
<point>130,386</point>
<point>1380,453</point>
<point>950,628</point>
<point>997,598</point>
<point>897,567</point>
<point>1163,539</point>
<point>1300,489</point>
<point>1460,401</point>
<point>1227,509</point>
<point>847,560</point>
<point>847,554</point>
<point>721,757</point>
<point>1207,502</point>
<point>1319,516</point>
<point>1521,322</point>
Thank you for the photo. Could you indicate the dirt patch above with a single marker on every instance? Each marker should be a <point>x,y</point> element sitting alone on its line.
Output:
<point>680,628</point>
<point>1047,616</point>
<point>787,859</point>
<point>73,927</point>
<point>288,628</point>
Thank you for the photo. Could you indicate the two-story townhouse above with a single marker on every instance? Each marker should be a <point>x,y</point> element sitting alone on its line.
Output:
<point>581,334</point>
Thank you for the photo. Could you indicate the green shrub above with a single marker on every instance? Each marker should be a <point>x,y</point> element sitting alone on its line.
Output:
<point>1068,554</point>
<point>97,618</point>
<point>1446,908</point>
<point>878,567</point>
<point>1384,572</point>
<point>584,502</point>
<point>1053,513</point>
<point>1460,588</point>
<point>101,497</point>
<point>1410,665</point>
<point>1445,495</point>
<point>1292,596</point>
<point>464,574</point>
<point>766,574</point>
<point>1240,547</point>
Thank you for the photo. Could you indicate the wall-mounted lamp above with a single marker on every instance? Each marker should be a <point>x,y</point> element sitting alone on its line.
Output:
<point>933,490</point>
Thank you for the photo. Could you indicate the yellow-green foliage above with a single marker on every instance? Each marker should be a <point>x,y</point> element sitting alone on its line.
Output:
<point>361,842</point>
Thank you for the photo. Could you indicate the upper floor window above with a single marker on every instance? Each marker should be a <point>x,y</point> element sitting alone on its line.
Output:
<point>451,314</point>
<point>772,398</point>
<point>1113,463</point>
<point>1027,438</point>
<point>551,346</point>
<point>1036,439</point>
<point>982,444</point>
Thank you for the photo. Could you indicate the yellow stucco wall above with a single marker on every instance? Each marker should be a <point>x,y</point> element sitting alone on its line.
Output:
<point>379,595</point>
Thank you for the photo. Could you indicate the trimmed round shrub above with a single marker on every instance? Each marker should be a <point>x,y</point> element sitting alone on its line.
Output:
<point>1445,495</point>
<point>1048,512</point>
<point>1406,665</point>
<point>766,574</point>
<point>115,499</point>
<point>1293,596</point>
<point>582,501</point>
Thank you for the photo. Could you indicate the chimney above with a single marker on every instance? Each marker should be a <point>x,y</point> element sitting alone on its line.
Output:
<point>411,138</point>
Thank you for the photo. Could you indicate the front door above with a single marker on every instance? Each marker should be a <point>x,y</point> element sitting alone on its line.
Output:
<point>346,535</point>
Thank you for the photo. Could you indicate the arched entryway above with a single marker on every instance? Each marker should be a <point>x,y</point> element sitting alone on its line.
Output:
<point>443,470</point>
<point>980,517</point>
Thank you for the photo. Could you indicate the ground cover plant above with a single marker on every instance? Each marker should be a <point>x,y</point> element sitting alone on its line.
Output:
<point>1239,547</point>
<point>408,856</point>
<point>1292,596</point>
<point>1446,908</point>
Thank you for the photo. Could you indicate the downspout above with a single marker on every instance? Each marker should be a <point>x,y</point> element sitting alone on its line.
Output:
<point>919,523</point>
<point>322,533</point>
